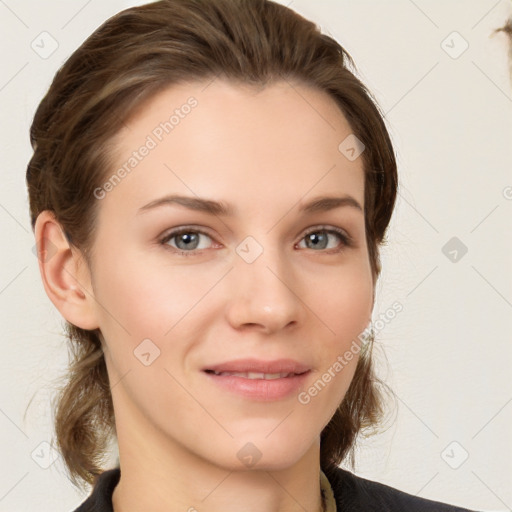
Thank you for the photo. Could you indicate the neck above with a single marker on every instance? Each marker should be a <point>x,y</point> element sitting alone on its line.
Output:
<point>162,476</point>
<point>149,488</point>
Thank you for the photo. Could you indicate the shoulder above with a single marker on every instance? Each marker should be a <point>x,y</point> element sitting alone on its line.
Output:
<point>100,499</point>
<point>355,493</point>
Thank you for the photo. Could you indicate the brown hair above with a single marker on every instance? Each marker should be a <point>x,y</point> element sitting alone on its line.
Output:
<point>133,55</point>
<point>507,30</point>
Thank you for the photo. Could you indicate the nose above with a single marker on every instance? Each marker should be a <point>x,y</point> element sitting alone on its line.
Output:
<point>262,294</point>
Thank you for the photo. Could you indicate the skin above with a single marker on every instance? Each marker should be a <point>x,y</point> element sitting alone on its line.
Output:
<point>266,152</point>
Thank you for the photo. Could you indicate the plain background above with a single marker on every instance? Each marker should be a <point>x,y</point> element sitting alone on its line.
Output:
<point>447,355</point>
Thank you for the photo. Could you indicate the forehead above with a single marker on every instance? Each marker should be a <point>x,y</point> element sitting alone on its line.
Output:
<point>221,139</point>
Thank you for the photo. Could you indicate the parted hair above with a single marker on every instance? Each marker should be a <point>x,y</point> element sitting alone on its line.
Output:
<point>124,63</point>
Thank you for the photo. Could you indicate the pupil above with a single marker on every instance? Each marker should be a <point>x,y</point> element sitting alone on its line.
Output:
<point>316,239</point>
<point>187,237</point>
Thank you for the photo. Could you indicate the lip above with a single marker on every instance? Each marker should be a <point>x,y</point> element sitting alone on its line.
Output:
<point>260,366</point>
<point>262,390</point>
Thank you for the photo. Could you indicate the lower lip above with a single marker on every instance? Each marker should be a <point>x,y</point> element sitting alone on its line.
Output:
<point>260,389</point>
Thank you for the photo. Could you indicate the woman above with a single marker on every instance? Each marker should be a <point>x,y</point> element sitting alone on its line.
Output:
<point>210,186</point>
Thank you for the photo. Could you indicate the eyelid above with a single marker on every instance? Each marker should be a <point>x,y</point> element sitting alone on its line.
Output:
<point>170,234</point>
<point>328,229</point>
<point>347,240</point>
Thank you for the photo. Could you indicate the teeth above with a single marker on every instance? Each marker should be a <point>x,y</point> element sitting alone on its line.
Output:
<point>255,375</point>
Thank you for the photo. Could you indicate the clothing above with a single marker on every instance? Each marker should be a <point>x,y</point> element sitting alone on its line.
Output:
<point>356,494</point>
<point>328,499</point>
<point>346,493</point>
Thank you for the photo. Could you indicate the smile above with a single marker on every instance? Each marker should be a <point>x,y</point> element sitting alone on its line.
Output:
<point>259,386</point>
<point>255,375</point>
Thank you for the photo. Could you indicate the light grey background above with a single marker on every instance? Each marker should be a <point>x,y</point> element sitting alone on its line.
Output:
<point>447,355</point>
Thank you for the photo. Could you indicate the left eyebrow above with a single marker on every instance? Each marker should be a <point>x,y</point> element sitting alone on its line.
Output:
<point>323,204</point>
<point>319,204</point>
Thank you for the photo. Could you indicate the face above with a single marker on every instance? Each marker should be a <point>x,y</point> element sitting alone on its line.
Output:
<point>183,287</point>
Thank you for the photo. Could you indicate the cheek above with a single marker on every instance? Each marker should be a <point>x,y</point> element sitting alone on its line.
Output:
<point>144,298</point>
<point>344,303</point>
<point>350,311</point>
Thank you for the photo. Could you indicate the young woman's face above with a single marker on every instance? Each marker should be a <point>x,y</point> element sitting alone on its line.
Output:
<point>182,290</point>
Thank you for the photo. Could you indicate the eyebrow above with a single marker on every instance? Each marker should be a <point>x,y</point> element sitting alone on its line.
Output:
<point>219,208</point>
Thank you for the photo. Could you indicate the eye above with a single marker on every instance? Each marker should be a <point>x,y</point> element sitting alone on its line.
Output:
<point>319,238</point>
<point>187,240</point>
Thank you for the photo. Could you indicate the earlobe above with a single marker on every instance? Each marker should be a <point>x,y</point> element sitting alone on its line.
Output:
<point>64,272</point>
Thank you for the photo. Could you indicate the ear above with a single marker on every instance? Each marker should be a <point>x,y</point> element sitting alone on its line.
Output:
<point>64,272</point>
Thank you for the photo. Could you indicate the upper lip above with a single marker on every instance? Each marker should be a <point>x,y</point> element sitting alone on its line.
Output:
<point>259,366</point>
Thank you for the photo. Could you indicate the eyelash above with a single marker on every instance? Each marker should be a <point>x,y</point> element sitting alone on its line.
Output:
<point>346,240</point>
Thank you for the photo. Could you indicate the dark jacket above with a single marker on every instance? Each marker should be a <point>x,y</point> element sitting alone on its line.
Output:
<point>352,494</point>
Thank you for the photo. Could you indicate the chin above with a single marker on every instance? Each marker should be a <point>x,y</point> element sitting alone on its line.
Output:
<point>263,454</point>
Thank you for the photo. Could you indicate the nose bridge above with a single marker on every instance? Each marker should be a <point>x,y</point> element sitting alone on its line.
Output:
<point>262,286</point>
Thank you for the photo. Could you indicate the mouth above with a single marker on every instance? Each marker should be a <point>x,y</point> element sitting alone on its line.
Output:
<point>256,375</point>
<point>259,381</point>
<point>275,369</point>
